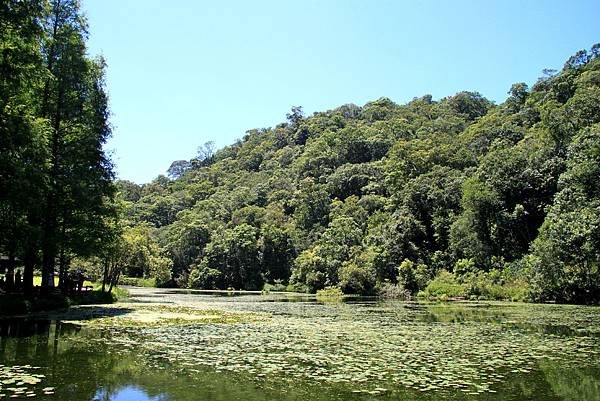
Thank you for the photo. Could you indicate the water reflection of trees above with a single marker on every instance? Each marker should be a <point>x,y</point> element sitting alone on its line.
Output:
<point>460,313</point>
<point>71,358</point>
<point>85,364</point>
<point>574,383</point>
<point>488,314</point>
<point>97,364</point>
<point>27,339</point>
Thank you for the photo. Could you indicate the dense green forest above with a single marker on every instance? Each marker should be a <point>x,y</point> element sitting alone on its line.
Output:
<point>56,182</point>
<point>457,197</point>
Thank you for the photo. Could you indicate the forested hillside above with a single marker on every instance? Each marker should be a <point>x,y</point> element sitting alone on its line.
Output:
<point>443,198</point>
<point>361,253</point>
<point>481,196</point>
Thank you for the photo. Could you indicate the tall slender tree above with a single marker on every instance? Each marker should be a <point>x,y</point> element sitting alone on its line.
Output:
<point>75,103</point>
<point>23,142</point>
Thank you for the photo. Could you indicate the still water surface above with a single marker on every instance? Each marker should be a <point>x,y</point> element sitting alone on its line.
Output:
<point>302,349</point>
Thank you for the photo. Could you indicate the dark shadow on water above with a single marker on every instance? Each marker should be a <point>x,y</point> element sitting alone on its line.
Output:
<point>88,312</point>
<point>39,325</point>
<point>21,327</point>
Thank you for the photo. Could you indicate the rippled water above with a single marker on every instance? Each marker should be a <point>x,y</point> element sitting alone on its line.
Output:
<point>296,348</point>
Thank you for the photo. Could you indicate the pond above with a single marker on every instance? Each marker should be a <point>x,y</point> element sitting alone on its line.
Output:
<point>182,345</point>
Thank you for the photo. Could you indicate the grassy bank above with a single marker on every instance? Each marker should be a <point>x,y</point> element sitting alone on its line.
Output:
<point>37,281</point>
<point>137,281</point>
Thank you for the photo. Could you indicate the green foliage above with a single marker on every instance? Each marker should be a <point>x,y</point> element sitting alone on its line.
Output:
<point>137,281</point>
<point>142,255</point>
<point>470,104</point>
<point>205,277</point>
<point>99,297</point>
<point>330,292</point>
<point>56,186</point>
<point>472,283</point>
<point>445,285</point>
<point>356,279</point>
<point>393,196</point>
<point>354,197</point>
<point>231,260</point>
<point>464,267</point>
<point>496,285</point>
<point>412,277</point>
<point>310,270</point>
<point>394,291</point>
<point>565,260</point>
<point>276,253</point>
<point>277,287</point>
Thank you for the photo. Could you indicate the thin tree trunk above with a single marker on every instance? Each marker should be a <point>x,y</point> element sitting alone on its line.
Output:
<point>105,275</point>
<point>10,271</point>
<point>50,237</point>
<point>49,240</point>
<point>48,263</point>
<point>115,277</point>
<point>29,263</point>
<point>62,270</point>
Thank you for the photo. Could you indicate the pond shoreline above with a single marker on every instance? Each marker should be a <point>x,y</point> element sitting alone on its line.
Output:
<point>179,344</point>
<point>23,305</point>
<point>20,305</point>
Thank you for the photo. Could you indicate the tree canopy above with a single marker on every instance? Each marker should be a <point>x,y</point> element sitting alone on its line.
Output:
<point>459,192</point>
<point>56,182</point>
<point>358,197</point>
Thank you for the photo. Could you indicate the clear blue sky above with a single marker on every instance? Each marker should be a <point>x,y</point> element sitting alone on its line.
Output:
<point>184,72</point>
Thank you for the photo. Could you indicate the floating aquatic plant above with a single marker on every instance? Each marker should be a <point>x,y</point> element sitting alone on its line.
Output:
<point>20,381</point>
<point>373,349</point>
<point>147,315</point>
